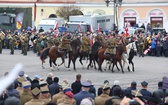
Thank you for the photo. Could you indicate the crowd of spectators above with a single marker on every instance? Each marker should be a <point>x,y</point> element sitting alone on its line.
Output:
<point>50,91</point>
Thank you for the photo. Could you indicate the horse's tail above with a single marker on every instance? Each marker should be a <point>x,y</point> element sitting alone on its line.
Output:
<point>44,54</point>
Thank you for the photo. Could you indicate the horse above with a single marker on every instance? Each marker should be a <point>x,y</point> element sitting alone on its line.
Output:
<point>73,55</point>
<point>53,54</point>
<point>94,54</point>
<point>117,58</point>
<point>127,58</point>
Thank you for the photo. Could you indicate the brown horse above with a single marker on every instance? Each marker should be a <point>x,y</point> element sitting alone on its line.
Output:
<point>117,58</point>
<point>73,55</point>
<point>53,54</point>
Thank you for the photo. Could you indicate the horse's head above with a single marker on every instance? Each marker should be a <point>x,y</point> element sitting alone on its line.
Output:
<point>76,42</point>
<point>98,44</point>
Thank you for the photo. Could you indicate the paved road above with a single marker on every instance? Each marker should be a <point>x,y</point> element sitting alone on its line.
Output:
<point>150,69</point>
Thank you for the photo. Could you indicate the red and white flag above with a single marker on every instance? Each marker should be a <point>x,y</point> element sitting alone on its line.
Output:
<point>79,28</point>
<point>56,26</point>
<point>19,20</point>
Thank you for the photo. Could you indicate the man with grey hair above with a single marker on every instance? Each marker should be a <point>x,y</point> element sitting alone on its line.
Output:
<point>12,101</point>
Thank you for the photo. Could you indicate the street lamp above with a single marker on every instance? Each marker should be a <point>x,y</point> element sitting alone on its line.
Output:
<point>117,3</point>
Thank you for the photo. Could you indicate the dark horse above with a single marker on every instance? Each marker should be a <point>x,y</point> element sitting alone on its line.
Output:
<point>117,58</point>
<point>94,53</point>
<point>53,54</point>
<point>73,55</point>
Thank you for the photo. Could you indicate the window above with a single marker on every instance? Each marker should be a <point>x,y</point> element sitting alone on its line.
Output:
<point>98,21</point>
<point>107,20</point>
<point>103,20</point>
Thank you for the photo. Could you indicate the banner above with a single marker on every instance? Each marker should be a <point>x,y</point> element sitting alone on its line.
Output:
<point>19,20</point>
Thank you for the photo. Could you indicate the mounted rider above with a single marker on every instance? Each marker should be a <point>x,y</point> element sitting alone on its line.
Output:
<point>65,43</point>
<point>85,43</point>
<point>111,45</point>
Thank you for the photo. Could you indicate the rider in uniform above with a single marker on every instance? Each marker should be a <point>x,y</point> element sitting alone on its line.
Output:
<point>38,45</point>
<point>111,47</point>
<point>85,43</point>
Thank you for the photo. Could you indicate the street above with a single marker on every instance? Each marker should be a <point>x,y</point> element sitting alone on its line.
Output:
<point>150,69</point>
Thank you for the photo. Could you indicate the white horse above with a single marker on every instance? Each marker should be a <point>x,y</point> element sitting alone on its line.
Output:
<point>129,56</point>
<point>125,57</point>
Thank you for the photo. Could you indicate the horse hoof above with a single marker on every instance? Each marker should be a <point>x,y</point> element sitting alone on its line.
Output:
<point>123,72</point>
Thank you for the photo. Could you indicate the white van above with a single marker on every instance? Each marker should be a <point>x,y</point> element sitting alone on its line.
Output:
<point>48,23</point>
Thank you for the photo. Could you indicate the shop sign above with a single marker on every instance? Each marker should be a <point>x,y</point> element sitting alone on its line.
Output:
<point>130,13</point>
<point>156,13</point>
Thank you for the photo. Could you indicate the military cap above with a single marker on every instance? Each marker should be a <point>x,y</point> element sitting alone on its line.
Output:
<point>106,81</point>
<point>35,91</point>
<point>106,86</point>
<point>21,79</point>
<point>86,84</point>
<point>44,89</point>
<point>26,84</point>
<point>133,83</point>
<point>21,73</point>
<point>144,83</point>
<point>136,93</point>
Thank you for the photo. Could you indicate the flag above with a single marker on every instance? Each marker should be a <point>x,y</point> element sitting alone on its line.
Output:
<point>79,27</point>
<point>19,20</point>
<point>56,26</point>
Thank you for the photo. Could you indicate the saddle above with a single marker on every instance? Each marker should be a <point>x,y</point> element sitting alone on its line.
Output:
<point>62,50</point>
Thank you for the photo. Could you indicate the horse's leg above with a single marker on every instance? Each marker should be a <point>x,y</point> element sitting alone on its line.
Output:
<point>69,61</point>
<point>110,65</point>
<point>80,60</point>
<point>121,66</point>
<point>100,64</point>
<point>50,61</point>
<point>74,60</point>
<point>112,70</point>
<point>43,65</point>
<point>94,64</point>
<point>130,61</point>
<point>90,61</point>
<point>117,66</point>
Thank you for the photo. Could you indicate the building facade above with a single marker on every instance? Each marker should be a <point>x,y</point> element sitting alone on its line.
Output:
<point>154,12</point>
<point>131,12</point>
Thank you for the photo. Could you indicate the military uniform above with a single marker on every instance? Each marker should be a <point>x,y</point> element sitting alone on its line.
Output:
<point>98,38</point>
<point>25,97</point>
<point>44,39</point>
<point>85,44</point>
<point>111,46</point>
<point>2,37</point>
<point>44,99</point>
<point>25,45</point>
<point>12,41</point>
<point>100,100</point>
<point>50,42</point>
<point>68,102</point>
<point>65,44</point>
<point>35,102</point>
<point>38,46</point>
<point>56,41</point>
<point>57,96</point>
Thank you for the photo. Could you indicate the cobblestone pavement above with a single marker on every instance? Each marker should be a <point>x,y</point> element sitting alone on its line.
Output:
<point>150,69</point>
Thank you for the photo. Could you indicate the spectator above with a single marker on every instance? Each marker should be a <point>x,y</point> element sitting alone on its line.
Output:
<point>159,94</point>
<point>116,84</point>
<point>87,101</point>
<point>100,100</point>
<point>12,101</point>
<point>49,79</point>
<point>76,86</point>
<point>101,88</point>
<point>84,93</point>
<point>153,48</point>
<point>143,26</point>
<point>35,82</point>
<point>128,91</point>
<point>13,92</point>
<point>41,30</point>
<point>35,101</point>
<point>54,87</point>
<point>145,93</point>
<point>25,94</point>
<point>20,80</point>
<point>45,96</point>
<point>68,99</point>
<point>116,98</point>
<point>92,88</point>
<point>58,96</point>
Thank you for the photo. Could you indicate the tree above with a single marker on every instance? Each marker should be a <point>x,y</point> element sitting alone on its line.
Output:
<point>66,11</point>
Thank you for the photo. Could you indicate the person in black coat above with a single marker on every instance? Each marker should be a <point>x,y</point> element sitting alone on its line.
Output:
<point>92,88</point>
<point>99,92</point>
<point>76,86</point>
<point>49,79</point>
<point>54,87</point>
